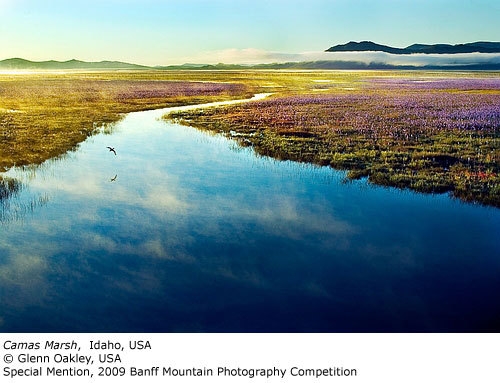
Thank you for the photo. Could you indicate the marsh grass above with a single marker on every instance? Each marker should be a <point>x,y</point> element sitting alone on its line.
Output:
<point>45,115</point>
<point>11,208</point>
<point>9,187</point>
<point>429,132</point>
<point>426,131</point>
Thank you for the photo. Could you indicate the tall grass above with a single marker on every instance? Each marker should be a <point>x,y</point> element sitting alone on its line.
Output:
<point>420,131</point>
<point>427,131</point>
<point>45,115</point>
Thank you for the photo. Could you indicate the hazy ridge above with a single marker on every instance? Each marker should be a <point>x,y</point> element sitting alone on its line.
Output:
<point>369,46</point>
<point>19,63</point>
<point>373,63</point>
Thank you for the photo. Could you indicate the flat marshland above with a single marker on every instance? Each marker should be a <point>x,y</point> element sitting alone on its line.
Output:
<point>184,230</point>
<point>426,131</point>
<point>429,132</point>
<point>45,115</point>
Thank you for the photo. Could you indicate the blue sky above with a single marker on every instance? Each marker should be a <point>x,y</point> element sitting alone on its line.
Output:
<point>155,32</point>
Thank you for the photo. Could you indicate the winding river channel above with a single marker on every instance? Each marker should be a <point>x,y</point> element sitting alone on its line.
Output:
<point>185,231</point>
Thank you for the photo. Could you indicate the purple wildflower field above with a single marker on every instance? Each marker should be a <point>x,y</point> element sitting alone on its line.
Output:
<point>167,89</point>
<point>436,135</point>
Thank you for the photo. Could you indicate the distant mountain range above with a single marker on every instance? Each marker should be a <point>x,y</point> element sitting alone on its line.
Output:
<point>369,46</point>
<point>336,63</point>
<point>22,64</point>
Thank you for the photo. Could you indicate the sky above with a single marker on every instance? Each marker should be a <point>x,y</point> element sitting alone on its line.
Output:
<point>161,32</point>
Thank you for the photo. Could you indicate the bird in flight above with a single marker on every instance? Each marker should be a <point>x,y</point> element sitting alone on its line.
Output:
<point>114,178</point>
<point>111,149</point>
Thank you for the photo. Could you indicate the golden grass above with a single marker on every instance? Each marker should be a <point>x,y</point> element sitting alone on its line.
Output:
<point>45,115</point>
<point>429,132</point>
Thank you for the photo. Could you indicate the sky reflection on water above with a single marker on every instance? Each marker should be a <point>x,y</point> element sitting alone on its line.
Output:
<point>184,231</point>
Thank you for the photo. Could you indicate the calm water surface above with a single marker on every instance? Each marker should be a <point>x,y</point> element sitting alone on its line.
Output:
<point>185,231</point>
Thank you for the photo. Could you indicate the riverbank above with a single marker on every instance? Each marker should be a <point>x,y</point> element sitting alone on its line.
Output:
<point>431,135</point>
<point>183,225</point>
<point>427,131</point>
<point>46,115</point>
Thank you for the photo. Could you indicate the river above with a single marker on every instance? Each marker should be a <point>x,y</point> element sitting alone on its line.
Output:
<point>185,231</point>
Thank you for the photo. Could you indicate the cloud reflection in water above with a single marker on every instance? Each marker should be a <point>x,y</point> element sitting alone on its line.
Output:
<point>195,236</point>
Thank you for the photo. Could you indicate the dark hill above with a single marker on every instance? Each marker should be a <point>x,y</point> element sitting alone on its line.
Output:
<point>367,46</point>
